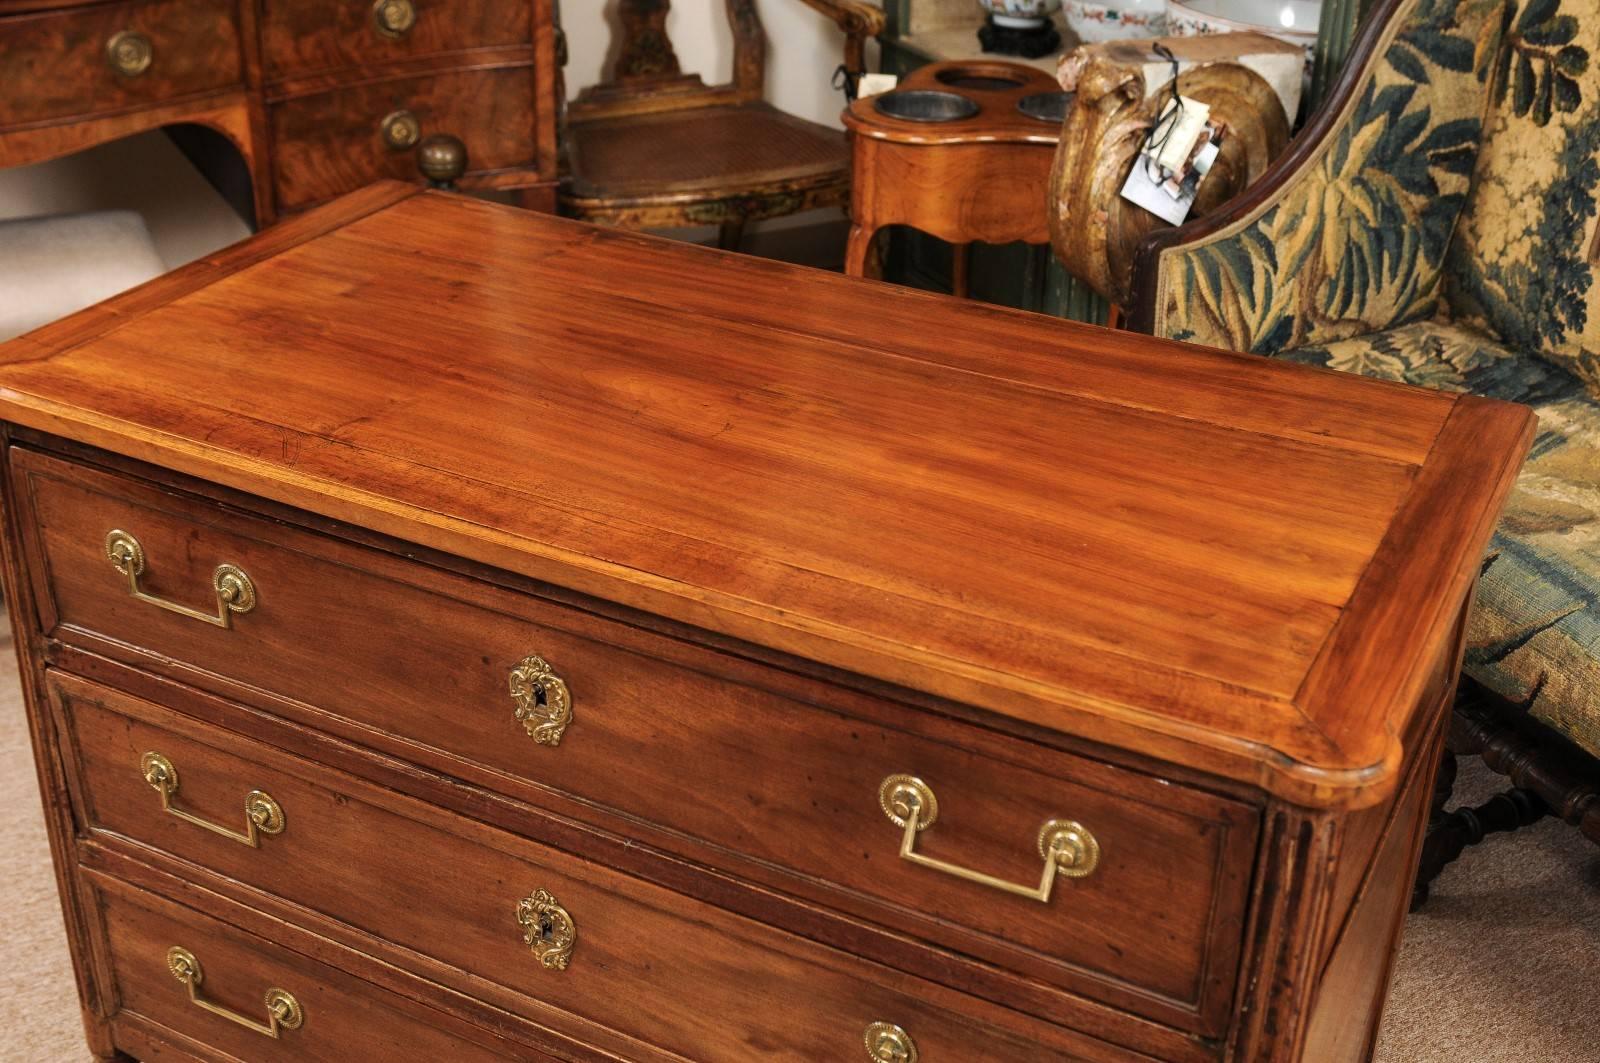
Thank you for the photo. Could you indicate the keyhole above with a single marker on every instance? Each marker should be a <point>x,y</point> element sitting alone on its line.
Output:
<point>539,696</point>
<point>547,928</point>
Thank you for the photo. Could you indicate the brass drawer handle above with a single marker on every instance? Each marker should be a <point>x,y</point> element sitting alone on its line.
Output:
<point>262,815</point>
<point>1067,847</point>
<point>888,1043</point>
<point>393,18</point>
<point>130,53</point>
<point>283,1010</point>
<point>235,591</point>
<point>401,130</point>
<point>547,929</point>
<point>544,704</point>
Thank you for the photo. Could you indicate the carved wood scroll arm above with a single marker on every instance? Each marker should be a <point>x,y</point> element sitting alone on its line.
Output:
<point>1094,231</point>
<point>858,20</point>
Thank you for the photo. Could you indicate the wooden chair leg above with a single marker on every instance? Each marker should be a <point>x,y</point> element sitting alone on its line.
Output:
<point>1449,834</point>
<point>731,235</point>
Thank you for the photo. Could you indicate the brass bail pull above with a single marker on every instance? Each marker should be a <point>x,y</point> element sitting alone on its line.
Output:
<point>1067,847</point>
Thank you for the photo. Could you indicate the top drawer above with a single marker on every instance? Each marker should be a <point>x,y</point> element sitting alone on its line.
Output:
<point>720,760</point>
<point>105,58</point>
<point>311,36</point>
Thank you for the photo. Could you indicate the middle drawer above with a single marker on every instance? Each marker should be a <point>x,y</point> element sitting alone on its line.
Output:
<point>679,746</point>
<point>573,942</point>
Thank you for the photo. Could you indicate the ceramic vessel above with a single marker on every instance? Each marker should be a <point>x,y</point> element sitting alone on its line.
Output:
<point>1095,22</point>
<point>1021,14</point>
<point>1294,21</point>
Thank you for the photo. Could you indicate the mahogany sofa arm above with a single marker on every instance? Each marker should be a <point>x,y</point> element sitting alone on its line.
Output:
<point>858,20</point>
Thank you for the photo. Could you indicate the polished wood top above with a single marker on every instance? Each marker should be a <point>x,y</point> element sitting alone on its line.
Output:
<point>1199,556</point>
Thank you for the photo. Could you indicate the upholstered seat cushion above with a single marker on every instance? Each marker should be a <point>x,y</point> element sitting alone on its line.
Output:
<point>1535,633</point>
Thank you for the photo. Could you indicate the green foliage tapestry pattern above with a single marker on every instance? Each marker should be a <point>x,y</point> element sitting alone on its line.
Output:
<point>1523,264</point>
<point>1357,243</point>
<point>1534,634</point>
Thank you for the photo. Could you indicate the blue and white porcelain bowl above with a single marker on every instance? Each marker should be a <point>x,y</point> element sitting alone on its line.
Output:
<point>1020,14</point>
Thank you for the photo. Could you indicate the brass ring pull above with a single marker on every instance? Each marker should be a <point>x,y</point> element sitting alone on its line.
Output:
<point>401,130</point>
<point>262,815</point>
<point>283,1010</point>
<point>544,704</point>
<point>130,53</point>
<point>547,929</point>
<point>888,1043</point>
<point>235,591</point>
<point>1067,847</point>
<point>393,18</point>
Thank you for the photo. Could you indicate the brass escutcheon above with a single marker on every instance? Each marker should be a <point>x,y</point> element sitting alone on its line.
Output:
<point>543,702</point>
<point>547,929</point>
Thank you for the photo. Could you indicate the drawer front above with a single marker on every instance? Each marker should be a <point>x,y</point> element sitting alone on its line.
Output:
<point>322,1014</point>
<point>311,36</point>
<point>335,142</point>
<point>607,949</point>
<point>114,56</point>
<point>760,784</point>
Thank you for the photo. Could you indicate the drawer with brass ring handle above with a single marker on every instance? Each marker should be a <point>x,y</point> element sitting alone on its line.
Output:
<point>262,815</point>
<point>130,53</point>
<point>888,1043</point>
<point>235,591</point>
<point>283,1010</point>
<point>1067,847</point>
<point>547,929</point>
<point>393,18</point>
<point>543,701</point>
<point>400,130</point>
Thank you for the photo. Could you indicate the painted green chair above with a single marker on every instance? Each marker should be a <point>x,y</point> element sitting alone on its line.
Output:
<point>1436,224</point>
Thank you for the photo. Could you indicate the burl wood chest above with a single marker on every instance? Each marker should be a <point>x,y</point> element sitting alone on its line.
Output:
<point>316,97</point>
<point>455,633</point>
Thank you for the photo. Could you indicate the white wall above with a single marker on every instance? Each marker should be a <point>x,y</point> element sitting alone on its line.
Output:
<point>803,49</point>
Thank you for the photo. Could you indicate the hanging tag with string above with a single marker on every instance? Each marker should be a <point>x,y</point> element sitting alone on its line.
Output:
<point>1176,155</point>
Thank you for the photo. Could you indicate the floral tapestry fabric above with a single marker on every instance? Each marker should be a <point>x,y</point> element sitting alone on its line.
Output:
<point>1357,242</point>
<point>1534,635</point>
<point>1524,261</point>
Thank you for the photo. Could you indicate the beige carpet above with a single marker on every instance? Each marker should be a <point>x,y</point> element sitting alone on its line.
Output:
<point>1502,967</point>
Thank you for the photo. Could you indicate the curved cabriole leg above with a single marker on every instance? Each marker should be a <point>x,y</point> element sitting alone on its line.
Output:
<point>858,251</point>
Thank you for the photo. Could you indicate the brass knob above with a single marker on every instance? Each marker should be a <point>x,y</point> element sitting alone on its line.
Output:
<point>888,1043</point>
<point>393,18</point>
<point>401,130</point>
<point>130,53</point>
<point>442,159</point>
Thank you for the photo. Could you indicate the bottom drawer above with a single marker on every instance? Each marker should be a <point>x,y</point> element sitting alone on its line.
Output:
<point>588,949</point>
<point>232,993</point>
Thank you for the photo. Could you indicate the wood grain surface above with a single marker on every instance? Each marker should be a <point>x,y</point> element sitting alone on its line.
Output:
<point>1180,552</point>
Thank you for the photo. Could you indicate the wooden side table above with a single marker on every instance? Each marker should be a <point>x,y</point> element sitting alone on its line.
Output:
<point>981,175</point>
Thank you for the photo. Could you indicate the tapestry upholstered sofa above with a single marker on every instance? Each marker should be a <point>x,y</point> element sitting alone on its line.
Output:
<point>1436,224</point>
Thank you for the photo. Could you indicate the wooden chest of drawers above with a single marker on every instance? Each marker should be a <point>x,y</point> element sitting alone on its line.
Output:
<point>318,97</point>
<point>673,673</point>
